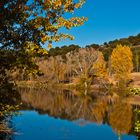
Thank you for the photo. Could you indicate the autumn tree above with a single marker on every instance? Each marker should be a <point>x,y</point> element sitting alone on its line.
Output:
<point>58,68</point>
<point>28,25</point>
<point>81,64</point>
<point>121,62</point>
<point>100,70</point>
<point>100,66</point>
<point>77,67</point>
<point>53,68</point>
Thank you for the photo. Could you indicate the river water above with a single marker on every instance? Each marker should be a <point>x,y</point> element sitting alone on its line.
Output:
<point>71,115</point>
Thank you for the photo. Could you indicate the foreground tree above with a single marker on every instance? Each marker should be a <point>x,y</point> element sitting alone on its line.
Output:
<point>26,26</point>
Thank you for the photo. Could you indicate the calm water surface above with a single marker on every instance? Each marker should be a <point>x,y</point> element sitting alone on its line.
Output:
<point>65,115</point>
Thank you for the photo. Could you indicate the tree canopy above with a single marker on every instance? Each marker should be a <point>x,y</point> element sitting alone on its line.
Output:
<point>121,61</point>
<point>28,25</point>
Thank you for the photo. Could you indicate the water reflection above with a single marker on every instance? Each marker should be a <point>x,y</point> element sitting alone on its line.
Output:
<point>72,106</point>
<point>9,104</point>
<point>120,117</point>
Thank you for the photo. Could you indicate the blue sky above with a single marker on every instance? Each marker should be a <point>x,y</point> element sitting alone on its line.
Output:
<point>107,20</point>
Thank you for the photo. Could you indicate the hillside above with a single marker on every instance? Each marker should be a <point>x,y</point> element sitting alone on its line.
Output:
<point>106,48</point>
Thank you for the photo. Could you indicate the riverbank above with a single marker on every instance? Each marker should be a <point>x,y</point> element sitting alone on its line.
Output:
<point>135,83</point>
<point>37,84</point>
<point>136,79</point>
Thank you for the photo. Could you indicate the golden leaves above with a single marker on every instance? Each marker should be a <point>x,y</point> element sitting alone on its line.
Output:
<point>72,22</point>
<point>33,49</point>
<point>120,117</point>
<point>67,5</point>
<point>100,66</point>
<point>78,5</point>
<point>121,61</point>
<point>57,3</point>
<point>45,38</point>
<point>49,18</point>
<point>49,45</point>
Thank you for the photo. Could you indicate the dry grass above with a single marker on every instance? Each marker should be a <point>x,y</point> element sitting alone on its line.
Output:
<point>136,78</point>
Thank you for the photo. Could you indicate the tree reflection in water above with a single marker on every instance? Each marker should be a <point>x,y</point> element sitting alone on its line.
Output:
<point>73,106</point>
<point>9,103</point>
<point>120,117</point>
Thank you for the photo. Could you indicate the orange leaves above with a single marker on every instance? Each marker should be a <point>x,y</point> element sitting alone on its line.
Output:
<point>46,1</point>
<point>57,3</point>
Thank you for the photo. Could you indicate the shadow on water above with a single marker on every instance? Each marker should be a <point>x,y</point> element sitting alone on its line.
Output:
<point>9,102</point>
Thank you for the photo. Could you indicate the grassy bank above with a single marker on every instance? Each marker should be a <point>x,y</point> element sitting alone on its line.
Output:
<point>70,86</point>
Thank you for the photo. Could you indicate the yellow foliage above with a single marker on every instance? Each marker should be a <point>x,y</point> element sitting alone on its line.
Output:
<point>45,38</point>
<point>49,46</point>
<point>57,3</point>
<point>121,61</point>
<point>49,18</point>
<point>120,117</point>
<point>100,66</point>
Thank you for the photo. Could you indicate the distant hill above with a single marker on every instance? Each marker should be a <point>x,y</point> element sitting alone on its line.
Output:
<point>130,41</point>
<point>106,48</point>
